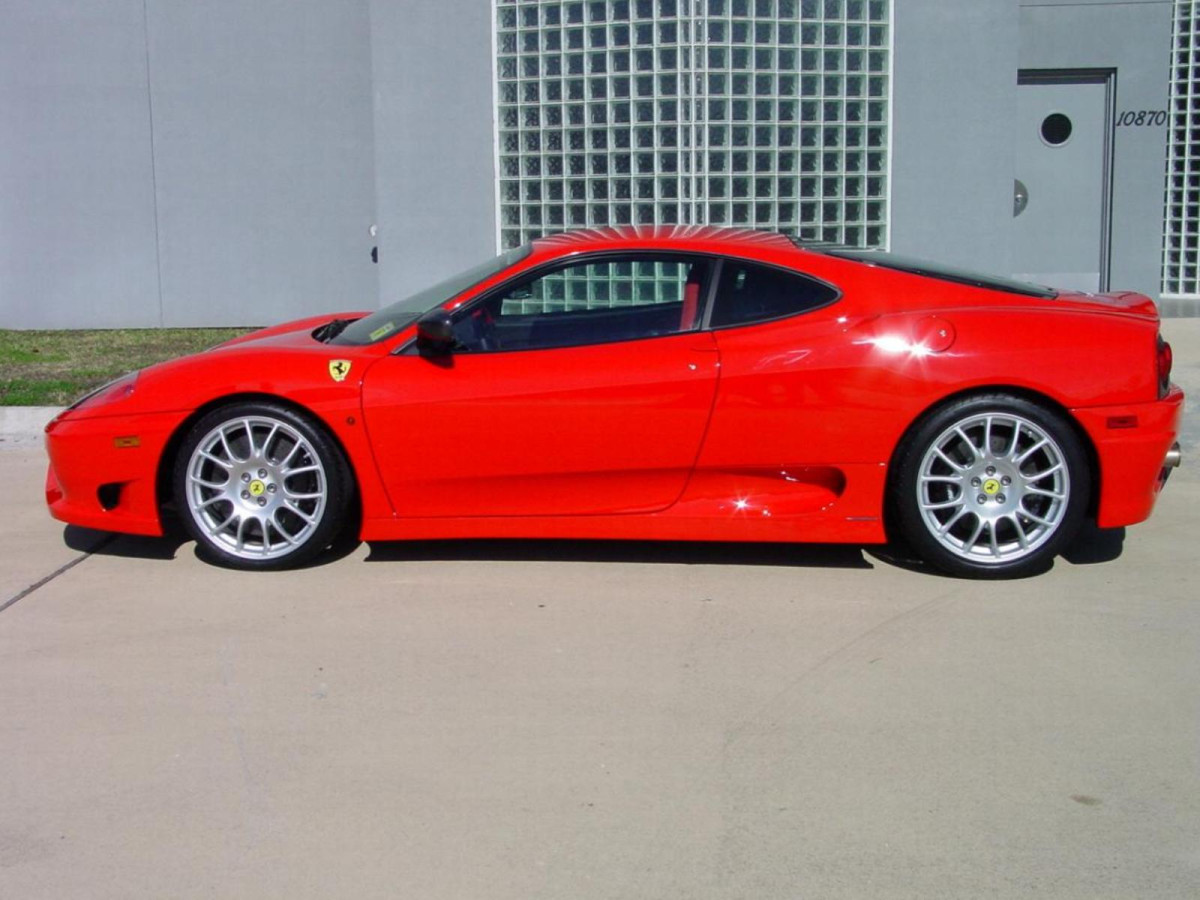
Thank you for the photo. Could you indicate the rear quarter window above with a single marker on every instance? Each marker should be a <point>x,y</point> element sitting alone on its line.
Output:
<point>749,292</point>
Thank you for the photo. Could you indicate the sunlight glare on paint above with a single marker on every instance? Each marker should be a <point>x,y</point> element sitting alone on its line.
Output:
<point>890,343</point>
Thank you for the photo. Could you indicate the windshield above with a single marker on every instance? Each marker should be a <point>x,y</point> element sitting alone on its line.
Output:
<point>403,313</point>
<point>939,271</point>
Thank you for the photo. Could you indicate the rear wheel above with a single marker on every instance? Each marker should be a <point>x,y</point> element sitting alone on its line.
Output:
<point>261,487</point>
<point>991,486</point>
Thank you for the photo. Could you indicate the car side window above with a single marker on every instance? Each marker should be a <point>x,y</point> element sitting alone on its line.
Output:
<point>749,293</point>
<point>588,303</point>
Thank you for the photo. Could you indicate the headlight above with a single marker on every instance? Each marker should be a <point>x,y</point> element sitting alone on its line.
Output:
<point>112,392</point>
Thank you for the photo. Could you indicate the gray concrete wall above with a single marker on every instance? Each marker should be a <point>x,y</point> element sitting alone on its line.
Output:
<point>434,139</point>
<point>1134,37</point>
<point>184,164</point>
<point>220,163</point>
<point>954,104</point>
<point>263,149</point>
<point>77,235</point>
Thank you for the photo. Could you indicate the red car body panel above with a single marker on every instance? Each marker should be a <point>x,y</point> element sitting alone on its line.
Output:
<point>781,430</point>
<point>1131,458</point>
<point>605,429</point>
<point>278,363</point>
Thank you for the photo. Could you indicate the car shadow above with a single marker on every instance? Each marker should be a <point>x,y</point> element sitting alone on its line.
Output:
<point>840,556</point>
<point>130,546</point>
<point>1095,545</point>
<point>166,548</point>
<point>899,556</point>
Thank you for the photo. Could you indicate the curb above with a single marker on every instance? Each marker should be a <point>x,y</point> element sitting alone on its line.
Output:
<point>25,424</point>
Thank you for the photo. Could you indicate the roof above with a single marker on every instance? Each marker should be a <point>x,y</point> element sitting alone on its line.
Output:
<point>665,234</point>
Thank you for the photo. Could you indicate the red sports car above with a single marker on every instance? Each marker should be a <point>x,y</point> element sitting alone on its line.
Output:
<point>684,384</point>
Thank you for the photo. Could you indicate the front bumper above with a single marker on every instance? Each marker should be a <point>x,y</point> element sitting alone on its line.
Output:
<point>103,470</point>
<point>1136,447</point>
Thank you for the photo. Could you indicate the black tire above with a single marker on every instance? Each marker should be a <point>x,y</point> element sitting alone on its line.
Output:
<point>1021,494</point>
<point>287,494</point>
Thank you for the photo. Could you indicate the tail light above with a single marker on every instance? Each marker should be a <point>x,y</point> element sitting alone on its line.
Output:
<point>1164,357</point>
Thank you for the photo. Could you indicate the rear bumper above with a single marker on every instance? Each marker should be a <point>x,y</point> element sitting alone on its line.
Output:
<point>99,478</point>
<point>1134,445</point>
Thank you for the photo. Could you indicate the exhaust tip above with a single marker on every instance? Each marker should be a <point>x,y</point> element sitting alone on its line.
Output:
<point>1174,457</point>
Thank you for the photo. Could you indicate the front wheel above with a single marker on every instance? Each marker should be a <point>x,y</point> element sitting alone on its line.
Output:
<point>261,487</point>
<point>991,486</point>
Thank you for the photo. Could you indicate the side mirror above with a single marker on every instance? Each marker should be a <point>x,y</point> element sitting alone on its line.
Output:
<point>435,332</point>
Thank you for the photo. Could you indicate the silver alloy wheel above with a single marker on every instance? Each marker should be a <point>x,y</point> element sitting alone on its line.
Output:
<point>993,488</point>
<point>256,487</point>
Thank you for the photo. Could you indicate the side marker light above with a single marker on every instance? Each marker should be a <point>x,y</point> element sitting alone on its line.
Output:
<point>1122,422</point>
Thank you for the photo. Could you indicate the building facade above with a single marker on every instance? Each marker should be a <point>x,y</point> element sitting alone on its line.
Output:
<point>219,164</point>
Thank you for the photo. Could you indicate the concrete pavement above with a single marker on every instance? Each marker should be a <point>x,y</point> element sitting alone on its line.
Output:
<point>595,720</point>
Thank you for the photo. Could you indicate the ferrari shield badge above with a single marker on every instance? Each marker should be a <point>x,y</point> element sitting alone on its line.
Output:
<point>339,369</point>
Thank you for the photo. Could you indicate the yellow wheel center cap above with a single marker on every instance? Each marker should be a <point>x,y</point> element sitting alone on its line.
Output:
<point>990,487</point>
<point>257,488</point>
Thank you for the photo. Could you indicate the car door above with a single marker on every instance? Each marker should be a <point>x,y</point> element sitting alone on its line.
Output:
<point>782,368</point>
<point>581,390</point>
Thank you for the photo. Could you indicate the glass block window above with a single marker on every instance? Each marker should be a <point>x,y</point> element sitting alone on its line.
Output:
<point>1181,243</point>
<point>601,286</point>
<point>755,113</point>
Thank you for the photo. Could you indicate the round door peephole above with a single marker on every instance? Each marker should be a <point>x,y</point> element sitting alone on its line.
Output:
<point>1056,129</point>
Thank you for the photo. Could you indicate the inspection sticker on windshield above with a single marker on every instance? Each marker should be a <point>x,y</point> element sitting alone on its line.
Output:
<point>383,329</point>
<point>339,369</point>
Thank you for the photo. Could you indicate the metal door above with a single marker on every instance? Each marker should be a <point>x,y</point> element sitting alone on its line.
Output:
<point>1060,198</point>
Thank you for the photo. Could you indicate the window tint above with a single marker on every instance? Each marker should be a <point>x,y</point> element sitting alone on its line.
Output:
<point>753,293</point>
<point>588,303</point>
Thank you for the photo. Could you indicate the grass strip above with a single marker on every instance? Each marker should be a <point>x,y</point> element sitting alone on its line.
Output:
<point>54,368</point>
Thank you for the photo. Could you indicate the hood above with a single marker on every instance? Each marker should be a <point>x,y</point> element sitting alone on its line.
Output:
<point>297,333</point>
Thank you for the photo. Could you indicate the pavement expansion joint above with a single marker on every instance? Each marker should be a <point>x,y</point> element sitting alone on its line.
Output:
<point>25,592</point>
